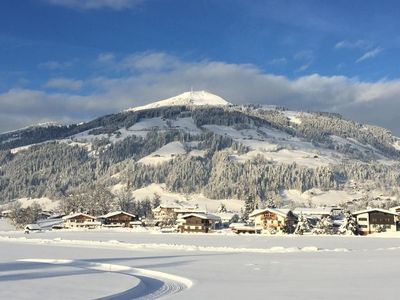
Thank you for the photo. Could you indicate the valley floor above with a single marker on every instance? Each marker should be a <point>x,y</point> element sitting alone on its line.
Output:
<point>126,265</point>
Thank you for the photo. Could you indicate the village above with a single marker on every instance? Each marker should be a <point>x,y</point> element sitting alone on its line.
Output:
<point>177,218</point>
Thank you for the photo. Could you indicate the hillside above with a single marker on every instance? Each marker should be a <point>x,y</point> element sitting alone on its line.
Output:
<point>199,145</point>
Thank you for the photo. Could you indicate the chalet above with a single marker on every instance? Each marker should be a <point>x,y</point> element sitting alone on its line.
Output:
<point>194,222</point>
<point>376,220</point>
<point>80,220</point>
<point>395,209</point>
<point>165,211</point>
<point>273,219</point>
<point>32,227</point>
<point>117,219</point>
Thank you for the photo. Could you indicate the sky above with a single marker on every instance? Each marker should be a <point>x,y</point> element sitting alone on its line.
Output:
<point>73,60</point>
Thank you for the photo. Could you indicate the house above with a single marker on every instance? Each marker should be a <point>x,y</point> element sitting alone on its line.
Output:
<point>80,220</point>
<point>273,219</point>
<point>117,219</point>
<point>395,209</point>
<point>195,222</point>
<point>165,213</point>
<point>376,220</point>
<point>32,227</point>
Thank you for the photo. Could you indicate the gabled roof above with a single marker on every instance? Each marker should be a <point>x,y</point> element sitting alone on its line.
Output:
<point>77,215</point>
<point>272,210</point>
<point>33,227</point>
<point>202,216</point>
<point>374,209</point>
<point>115,213</point>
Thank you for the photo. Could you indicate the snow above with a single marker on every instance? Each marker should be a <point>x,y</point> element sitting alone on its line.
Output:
<point>142,127</point>
<point>318,197</point>
<point>45,203</point>
<point>188,266</point>
<point>276,146</point>
<point>164,154</point>
<point>6,225</point>
<point>170,198</point>
<point>187,98</point>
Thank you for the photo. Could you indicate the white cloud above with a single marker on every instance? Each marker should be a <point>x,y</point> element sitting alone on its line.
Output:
<point>370,54</point>
<point>375,102</point>
<point>96,4</point>
<point>359,44</point>
<point>64,83</point>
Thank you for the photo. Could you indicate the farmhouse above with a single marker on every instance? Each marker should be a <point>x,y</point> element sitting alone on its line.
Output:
<point>163,212</point>
<point>117,219</point>
<point>376,220</point>
<point>195,222</point>
<point>273,219</point>
<point>80,220</point>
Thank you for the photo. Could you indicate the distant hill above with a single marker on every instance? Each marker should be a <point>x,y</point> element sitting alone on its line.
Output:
<point>199,144</point>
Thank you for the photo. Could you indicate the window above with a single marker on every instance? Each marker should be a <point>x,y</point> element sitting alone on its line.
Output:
<point>362,219</point>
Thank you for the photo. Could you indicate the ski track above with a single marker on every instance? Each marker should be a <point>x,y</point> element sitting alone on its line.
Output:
<point>152,284</point>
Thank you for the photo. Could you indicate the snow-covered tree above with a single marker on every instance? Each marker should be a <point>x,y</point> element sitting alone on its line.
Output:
<point>302,225</point>
<point>324,226</point>
<point>349,225</point>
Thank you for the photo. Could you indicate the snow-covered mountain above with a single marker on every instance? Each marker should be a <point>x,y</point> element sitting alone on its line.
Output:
<point>197,145</point>
<point>187,98</point>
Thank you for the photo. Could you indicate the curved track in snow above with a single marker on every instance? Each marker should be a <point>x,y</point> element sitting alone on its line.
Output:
<point>152,284</point>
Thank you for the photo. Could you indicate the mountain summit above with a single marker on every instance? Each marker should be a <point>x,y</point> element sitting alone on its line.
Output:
<point>188,98</point>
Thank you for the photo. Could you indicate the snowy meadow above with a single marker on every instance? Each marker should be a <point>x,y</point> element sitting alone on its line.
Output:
<point>117,264</point>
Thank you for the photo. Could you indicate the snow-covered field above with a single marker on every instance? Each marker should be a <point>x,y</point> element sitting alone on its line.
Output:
<point>118,264</point>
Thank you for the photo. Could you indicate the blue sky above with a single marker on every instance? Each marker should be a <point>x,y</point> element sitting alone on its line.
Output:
<point>72,60</point>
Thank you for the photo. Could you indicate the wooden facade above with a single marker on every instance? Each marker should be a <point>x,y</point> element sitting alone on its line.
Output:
<point>197,223</point>
<point>117,219</point>
<point>270,219</point>
<point>80,220</point>
<point>376,220</point>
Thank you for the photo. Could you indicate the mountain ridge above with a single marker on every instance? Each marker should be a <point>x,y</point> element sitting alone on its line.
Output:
<point>218,149</point>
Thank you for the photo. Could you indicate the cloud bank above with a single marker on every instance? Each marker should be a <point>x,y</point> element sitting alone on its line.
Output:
<point>142,78</point>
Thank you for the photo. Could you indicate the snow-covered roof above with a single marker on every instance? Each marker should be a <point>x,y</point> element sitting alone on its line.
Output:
<point>190,210</point>
<point>168,205</point>
<point>202,216</point>
<point>187,98</point>
<point>71,216</point>
<point>394,208</point>
<point>33,227</point>
<point>272,210</point>
<point>115,213</point>
<point>375,209</point>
